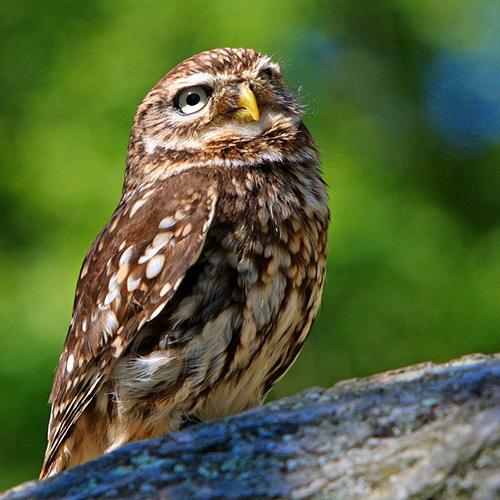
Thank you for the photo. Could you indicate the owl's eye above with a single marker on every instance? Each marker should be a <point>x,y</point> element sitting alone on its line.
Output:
<point>266,75</point>
<point>192,99</point>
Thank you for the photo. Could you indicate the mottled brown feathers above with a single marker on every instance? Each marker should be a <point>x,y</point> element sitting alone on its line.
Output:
<point>200,291</point>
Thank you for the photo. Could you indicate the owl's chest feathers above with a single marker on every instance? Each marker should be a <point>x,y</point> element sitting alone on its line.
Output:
<point>273,221</point>
<point>245,307</point>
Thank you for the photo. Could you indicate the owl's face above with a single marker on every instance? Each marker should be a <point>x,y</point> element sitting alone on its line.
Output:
<point>215,100</point>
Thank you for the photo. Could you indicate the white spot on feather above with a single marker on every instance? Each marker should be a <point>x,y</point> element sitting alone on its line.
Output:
<point>167,222</point>
<point>177,283</point>
<point>110,322</point>
<point>180,214</point>
<point>133,283</point>
<point>70,363</point>
<point>137,205</point>
<point>85,270</point>
<point>157,311</point>
<point>161,239</point>
<point>126,256</point>
<point>155,266</point>
<point>158,243</point>
<point>112,294</point>
<point>112,282</point>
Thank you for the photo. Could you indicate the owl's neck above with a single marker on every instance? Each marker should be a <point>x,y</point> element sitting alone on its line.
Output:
<point>151,159</point>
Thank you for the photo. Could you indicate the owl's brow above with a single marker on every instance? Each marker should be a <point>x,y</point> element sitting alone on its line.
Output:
<point>265,63</point>
<point>193,80</point>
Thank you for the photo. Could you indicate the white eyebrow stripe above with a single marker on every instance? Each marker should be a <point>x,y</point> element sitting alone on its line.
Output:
<point>264,64</point>
<point>195,79</point>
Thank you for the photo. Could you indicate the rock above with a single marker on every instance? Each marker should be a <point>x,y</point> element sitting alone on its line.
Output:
<point>427,431</point>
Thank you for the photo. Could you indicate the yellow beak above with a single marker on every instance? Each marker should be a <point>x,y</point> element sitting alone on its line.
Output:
<point>248,104</point>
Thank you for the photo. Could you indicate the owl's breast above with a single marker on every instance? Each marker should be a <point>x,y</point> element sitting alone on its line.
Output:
<point>244,309</point>
<point>272,242</point>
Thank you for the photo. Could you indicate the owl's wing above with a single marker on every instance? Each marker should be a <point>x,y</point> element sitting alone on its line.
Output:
<point>132,270</point>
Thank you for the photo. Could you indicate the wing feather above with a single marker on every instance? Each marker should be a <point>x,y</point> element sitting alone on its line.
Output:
<point>132,270</point>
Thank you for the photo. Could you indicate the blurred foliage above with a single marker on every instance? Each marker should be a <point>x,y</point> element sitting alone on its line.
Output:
<point>404,101</point>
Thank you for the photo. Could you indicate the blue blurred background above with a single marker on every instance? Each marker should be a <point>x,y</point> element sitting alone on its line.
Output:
<point>403,99</point>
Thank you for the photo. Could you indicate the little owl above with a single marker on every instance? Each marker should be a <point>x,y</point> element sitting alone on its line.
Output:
<point>200,291</point>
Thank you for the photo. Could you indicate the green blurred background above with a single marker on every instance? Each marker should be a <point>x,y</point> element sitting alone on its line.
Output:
<point>404,101</point>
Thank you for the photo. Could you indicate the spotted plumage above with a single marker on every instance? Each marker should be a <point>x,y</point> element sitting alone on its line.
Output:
<point>202,288</point>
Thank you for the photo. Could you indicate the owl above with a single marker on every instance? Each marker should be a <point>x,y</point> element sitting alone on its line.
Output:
<point>201,289</point>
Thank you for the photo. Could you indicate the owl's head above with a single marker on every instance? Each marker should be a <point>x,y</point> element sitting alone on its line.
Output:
<point>225,103</point>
